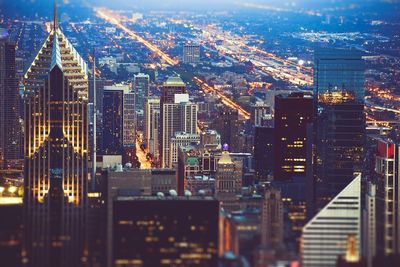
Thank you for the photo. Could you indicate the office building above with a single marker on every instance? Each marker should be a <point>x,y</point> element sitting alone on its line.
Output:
<point>180,116</point>
<point>263,152</point>
<point>173,85</point>
<point>339,120</point>
<point>326,235</point>
<point>56,151</point>
<point>293,115</point>
<point>170,231</point>
<point>191,53</point>
<point>228,181</point>
<point>151,125</point>
<point>181,139</point>
<point>10,130</point>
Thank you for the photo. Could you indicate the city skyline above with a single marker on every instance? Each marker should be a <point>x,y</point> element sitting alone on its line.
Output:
<point>196,133</point>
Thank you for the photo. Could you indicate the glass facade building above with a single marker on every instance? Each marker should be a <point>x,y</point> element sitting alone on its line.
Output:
<point>339,120</point>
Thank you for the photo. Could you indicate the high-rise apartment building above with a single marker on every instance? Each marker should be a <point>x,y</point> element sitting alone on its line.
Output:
<point>10,130</point>
<point>293,115</point>
<point>141,88</point>
<point>113,120</point>
<point>180,116</point>
<point>173,85</point>
<point>325,236</point>
<point>152,124</point>
<point>191,53</point>
<point>56,152</point>
<point>339,120</point>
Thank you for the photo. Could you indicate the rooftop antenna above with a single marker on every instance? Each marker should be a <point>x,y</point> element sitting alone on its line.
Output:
<point>55,16</point>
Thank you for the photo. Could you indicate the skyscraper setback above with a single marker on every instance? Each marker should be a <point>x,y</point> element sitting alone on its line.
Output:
<point>56,147</point>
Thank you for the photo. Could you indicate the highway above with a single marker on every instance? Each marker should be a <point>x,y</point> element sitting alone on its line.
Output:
<point>115,20</point>
<point>224,99</point>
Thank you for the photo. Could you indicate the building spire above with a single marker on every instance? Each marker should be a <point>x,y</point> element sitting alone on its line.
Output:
<point>55,16</point>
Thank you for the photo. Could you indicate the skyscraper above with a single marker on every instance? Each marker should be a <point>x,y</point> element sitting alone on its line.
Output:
<point>180,116</point>
<point>56,148</point>
<point>142,90</point>
<point>10,130</point>
<point>325,236</point>
<point>173,85</point>
<point>387,213</point>
<point>340,120</point>
<point>293,113</point>
<point>191,53</point>
<point>129,127</point>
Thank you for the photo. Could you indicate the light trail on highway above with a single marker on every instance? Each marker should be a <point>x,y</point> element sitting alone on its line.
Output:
<point>115,19</point>
<point>225,100</point>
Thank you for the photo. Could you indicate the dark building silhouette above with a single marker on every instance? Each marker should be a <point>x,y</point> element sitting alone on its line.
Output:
<point>100,84</point>
<point>113,121</point>
<point>10,130</point>
<point>11,235</point>
<point>263,152</point>
<point>293,114</point>
<point>339,120</point>
<point>176,231</point>
<point>227,125</point>
<point>56,146</point>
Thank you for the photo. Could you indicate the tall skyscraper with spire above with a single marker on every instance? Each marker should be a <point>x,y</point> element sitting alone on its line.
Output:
<point>56,151</point>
